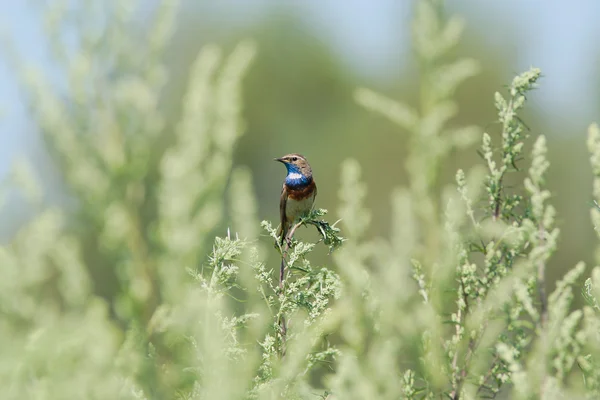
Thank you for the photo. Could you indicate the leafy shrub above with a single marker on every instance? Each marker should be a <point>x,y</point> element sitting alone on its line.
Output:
<point>452,304</point>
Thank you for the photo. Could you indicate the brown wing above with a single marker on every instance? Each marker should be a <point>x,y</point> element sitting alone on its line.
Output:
<point>283,219</point>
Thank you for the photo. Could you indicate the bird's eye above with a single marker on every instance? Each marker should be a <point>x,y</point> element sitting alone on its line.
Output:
<point>294,158</point>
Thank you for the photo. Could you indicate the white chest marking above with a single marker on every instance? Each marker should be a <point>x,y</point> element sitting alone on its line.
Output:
<point>294,176</point>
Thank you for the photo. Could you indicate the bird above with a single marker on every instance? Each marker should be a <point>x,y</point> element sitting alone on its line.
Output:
<point>298,192</point>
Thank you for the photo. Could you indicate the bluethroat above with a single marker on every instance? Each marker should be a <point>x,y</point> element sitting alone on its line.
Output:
<point>298,193</point>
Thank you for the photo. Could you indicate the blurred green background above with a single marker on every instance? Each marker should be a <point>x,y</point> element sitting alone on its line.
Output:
<point>298,95</point>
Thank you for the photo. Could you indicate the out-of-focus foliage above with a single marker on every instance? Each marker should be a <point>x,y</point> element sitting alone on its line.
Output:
<point>138,294</point>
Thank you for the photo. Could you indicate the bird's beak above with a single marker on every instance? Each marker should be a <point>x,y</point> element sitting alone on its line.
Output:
<point>279,159</point>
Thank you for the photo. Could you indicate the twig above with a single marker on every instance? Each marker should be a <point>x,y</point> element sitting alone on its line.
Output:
<point>456,381</point>
<point>488,375</point>
<point>541,271</point>
<point>287,239</point>
<point>282,321</point>
<point>473,343</point>
<point>541,277</point>
<point>497,204</point>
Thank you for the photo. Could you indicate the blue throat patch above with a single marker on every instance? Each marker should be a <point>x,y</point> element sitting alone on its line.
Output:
<point>295,179</point>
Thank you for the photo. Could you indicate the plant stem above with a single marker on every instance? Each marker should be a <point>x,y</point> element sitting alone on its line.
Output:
<point>284,252</point>
<point>488,375</point>
<point>541,277</point>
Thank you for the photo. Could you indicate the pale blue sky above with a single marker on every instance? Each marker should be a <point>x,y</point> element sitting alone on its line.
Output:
<point>18,21</point>
<point>558,36</point>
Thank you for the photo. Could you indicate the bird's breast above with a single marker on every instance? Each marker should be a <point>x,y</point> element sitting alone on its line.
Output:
<point>300,200</point>
<point>295,208</point>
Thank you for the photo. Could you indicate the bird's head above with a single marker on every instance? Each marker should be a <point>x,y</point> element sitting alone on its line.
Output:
<point>296,164</point>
